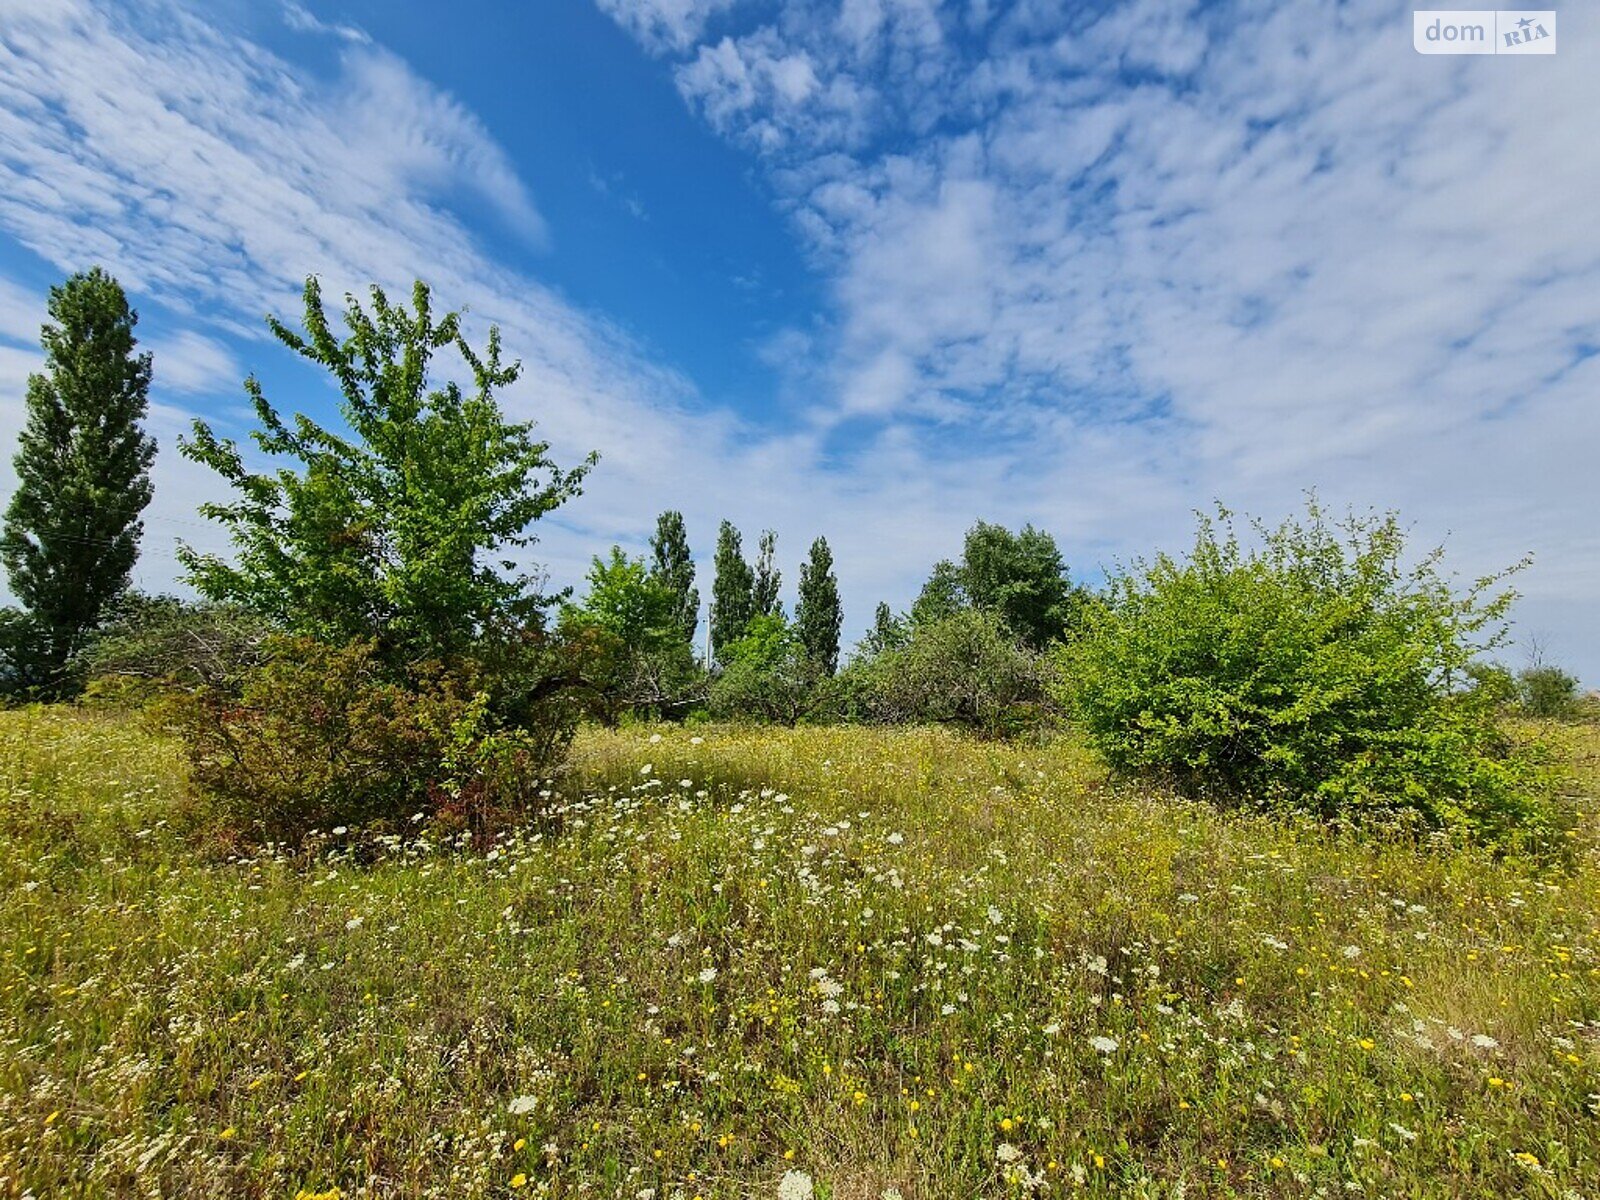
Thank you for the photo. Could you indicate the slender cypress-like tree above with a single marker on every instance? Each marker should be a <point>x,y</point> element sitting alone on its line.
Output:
<point>817,615</point>
<point>764,591</point>
<point>732,599</point>
<point>672,565</point>
<point>83,469</point>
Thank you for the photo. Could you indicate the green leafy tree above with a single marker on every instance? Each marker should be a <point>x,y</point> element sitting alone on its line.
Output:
<point>628,600</point>
<point>818,615</point>
<point>73,525</point>
<point>888,631</point>
<point>1019,576</point>
<point>636,655</point>
<point>732,592</point>
<point>764,590</point>
<point>393,530</point>
<point>768,676</point>
<point>942,596</point>
<point>673,565</point>
<point>1547,691</point>
<point>1325,670</point>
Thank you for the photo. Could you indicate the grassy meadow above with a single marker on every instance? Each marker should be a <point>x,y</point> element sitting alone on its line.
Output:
<point>835,962</point>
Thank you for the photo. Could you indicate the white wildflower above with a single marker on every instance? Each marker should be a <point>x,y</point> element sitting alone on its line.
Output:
<point>795,1185</point>
<point>521,1106</point>
<point>1106,1045</point>
<point>707,974</point>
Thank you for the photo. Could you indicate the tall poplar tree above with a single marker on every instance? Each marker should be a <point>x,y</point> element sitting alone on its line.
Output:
<point>673,566</point>
<point>72,527</point>
<point>732,591</point>
<point>818,615</point>
<point>764,592</point>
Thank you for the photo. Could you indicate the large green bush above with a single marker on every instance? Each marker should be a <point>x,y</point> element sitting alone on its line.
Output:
<point>966,668</point>
<point>1321,669</point>
<point>318,736</point>
<point>768,676</point>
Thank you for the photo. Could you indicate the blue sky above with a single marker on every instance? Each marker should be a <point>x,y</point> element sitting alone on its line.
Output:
<point>869,268</point>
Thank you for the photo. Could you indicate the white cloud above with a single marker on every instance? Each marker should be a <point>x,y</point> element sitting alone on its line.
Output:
<point>193,363</point>
<point>664,24</point>
<point>21,314</point>
<point>302,20</point>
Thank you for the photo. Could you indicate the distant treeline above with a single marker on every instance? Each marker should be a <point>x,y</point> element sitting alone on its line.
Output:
<point>369,650</point>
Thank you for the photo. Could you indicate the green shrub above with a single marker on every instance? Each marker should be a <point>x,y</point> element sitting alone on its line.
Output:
<point>964,668</point>
<point>318,736</point>
<point>1547,692</point>
<point>1318,671</point>
<point>768,676</point>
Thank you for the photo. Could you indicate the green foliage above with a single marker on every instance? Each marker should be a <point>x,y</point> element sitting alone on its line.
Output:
<point>28,671</point>
<point>732,592</point>
<point>1319,671</point>
<point>768,676</point>
<point>635,655</point>
<point>888,632</point>
<point>768,579</point>
<point>818,615</point>
<point>387,532</point>
<point>321,735</point>
<point>672,564</point>
<point>154,644</point>
<point>630,602</point>
<point>942,596</point>
<point>966,669</point>
<point>1492,684</point>
<point>1546,691</point>
<point>1019,576</point>
<point>72,526</point>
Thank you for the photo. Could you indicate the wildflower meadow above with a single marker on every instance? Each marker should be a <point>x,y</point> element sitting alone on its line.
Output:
<point>841,962</point>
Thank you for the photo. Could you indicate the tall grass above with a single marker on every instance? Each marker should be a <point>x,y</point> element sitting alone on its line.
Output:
<point>878,961</point>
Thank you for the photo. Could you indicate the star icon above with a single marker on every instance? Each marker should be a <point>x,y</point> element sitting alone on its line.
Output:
<point>1524,23</point>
